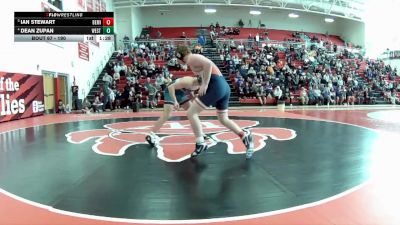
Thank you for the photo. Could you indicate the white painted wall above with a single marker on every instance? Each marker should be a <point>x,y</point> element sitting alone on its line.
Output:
<point>352,31</point>
<point>380,26</point>
<point>109,6</point>
<point>123,24</point>
<point>193,16</point>
<point>32,58</point>
<point>178,16</point>
<point>127,22</point>
<point>137,16</point>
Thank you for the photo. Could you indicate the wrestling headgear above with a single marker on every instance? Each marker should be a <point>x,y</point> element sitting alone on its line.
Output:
<point>182,51</point>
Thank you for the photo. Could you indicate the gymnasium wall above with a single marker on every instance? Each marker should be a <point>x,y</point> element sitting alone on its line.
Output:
<point>123,23</point>
<point>352,31</point>
<point>137,23</point>
<point>179,16</point>
<point>127,22</point>
<point>380,27</point>
<point>33,58</point>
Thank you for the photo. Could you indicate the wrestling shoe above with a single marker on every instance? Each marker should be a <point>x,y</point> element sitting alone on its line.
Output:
<point>153,140</point>
<point>200,148</point>
<point>206,137</point>
<point>248,141</point>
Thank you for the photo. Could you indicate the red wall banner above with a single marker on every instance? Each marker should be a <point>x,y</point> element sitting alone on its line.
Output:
<point>21,96</point>
<point>81,3</point>
<point>83,51</point>
<point>47,8</point>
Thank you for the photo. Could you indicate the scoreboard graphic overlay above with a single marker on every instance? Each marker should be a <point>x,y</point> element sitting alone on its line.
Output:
<point>63,26</point>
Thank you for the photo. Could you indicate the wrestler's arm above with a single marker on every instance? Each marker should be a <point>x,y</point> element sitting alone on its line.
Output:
<point>171,90</point>
<point>185,82</point>
<point>200,61</point>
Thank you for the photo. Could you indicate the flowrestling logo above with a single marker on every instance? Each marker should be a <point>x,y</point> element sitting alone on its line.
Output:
<point>177,140</point>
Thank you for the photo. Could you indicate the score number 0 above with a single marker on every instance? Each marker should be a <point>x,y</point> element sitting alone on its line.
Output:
<point>108,22</point>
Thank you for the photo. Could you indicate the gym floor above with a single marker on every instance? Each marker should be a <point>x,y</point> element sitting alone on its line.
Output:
<point>311,166</point>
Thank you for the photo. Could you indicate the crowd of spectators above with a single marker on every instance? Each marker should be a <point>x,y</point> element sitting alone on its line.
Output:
<point>384,79</point>
<point>147,62</point>
<point>320,74</point>
<point>218,31</point>
<point>222,32</point>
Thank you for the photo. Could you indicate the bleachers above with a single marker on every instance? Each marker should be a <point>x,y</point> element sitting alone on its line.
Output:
<point>279,35</point>
<point>191,32</point>
<point>270,101</point>
<point>156,62</point>
<point>175,74</point>
<point>251,99</point>
<point>245,32</point>
<point>173,32</point>
<point>335,39</point>
<point>273,34</point>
